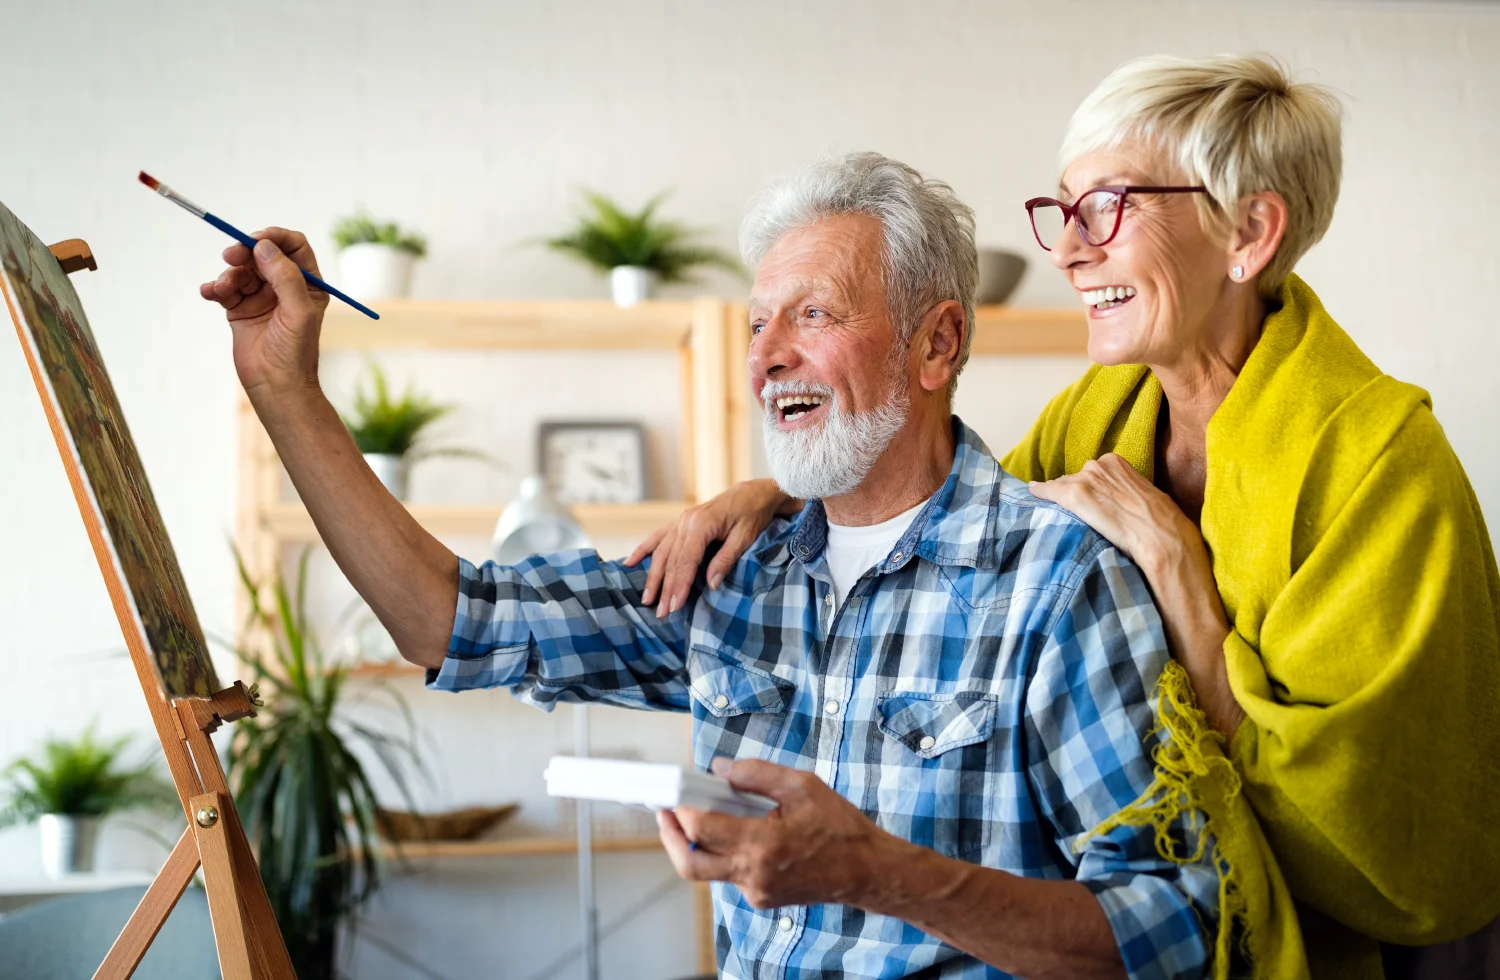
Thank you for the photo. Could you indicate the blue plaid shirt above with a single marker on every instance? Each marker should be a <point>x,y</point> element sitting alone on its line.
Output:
<point>981,692</point>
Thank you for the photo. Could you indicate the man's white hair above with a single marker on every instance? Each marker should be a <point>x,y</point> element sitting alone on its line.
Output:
<point>928,254</point>
<point>1236,124</point>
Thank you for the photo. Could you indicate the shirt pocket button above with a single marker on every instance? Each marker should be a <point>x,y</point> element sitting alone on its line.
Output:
<point>927,742</point>
<point>722,701</point>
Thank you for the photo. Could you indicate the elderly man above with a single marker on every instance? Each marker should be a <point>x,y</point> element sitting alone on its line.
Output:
<point>941,679</point>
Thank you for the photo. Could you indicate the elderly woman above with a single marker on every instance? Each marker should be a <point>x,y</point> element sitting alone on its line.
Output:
<point>1319,559</point>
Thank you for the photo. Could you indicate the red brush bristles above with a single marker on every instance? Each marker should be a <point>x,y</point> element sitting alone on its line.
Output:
<point>150,181</point>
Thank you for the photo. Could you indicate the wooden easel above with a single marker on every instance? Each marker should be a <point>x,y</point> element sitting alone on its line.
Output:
<point>249,942</point>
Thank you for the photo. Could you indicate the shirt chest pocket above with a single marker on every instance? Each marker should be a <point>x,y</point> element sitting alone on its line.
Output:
<point>739,710</point>
<point>937,783</point>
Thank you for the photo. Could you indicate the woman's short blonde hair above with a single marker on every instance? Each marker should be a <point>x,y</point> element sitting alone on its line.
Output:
<point>1235,124</point>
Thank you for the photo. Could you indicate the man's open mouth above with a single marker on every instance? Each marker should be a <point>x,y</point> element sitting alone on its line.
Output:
<point>793,408</point>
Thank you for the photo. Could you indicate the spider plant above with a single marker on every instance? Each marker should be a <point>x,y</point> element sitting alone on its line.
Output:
<point>607,236</point>
<point>303,794</point>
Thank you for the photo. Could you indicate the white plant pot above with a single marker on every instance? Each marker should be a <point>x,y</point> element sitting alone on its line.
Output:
<point>368,272</point>
<point>391,471</point>
<point>630,284</point>
<point>68,843</point>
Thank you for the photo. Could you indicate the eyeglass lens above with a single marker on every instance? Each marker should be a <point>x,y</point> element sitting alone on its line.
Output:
<point>1098,215</point>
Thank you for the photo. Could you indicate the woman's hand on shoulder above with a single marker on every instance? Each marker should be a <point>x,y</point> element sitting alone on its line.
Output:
<point>1145,523</point>
<point>1112,498</point>
<point>736,517</point>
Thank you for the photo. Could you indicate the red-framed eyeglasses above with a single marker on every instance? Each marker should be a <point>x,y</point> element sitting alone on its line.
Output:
<point>1096,214</point>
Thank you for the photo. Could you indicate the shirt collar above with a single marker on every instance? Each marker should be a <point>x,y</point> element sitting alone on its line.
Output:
<point>955,528</point>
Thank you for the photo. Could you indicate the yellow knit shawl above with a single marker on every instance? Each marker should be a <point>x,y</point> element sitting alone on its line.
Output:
<point>1356,569</point>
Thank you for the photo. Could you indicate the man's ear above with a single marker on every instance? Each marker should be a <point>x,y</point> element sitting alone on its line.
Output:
<point>1259,226</point>
<point>938,344</point>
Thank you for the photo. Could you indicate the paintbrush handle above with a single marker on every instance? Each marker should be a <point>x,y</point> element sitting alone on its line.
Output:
<point>313,280</point>
<point>230,230</point>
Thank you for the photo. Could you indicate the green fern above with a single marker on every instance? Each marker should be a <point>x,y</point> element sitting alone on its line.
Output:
<point>381,424</point>
<point>360,229</point>
<point>81,778</point>
<point>608,236</point>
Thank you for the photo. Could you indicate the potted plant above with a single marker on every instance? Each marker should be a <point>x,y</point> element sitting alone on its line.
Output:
<point>70,787</point>
<point>637,250</point>
<point>302,792</point>
<point>376,259</point>
<point>388,431</point>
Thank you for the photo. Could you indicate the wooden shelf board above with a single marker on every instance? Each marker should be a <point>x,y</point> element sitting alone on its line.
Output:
<point>519,847</point>
<point>391,668</point>
<point>513,325</point>
<point>290,521</point>
<point>653,325</point>
<point>1009,331</point>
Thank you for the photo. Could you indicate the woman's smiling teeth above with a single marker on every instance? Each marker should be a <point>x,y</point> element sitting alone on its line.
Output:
<point>1107,297</point>
<point>796,406</point>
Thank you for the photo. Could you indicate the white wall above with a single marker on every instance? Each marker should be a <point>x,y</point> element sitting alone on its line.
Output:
<point>477,123</point>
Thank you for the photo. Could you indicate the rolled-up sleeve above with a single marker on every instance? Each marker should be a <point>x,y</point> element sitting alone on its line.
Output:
<point>1089,742</point>
<point>565,627</point>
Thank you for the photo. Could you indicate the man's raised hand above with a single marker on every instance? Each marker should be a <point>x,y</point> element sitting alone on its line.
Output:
<point>274,314</point>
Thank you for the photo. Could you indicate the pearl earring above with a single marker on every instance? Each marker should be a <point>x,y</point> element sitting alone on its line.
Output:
<point>1238,271</point>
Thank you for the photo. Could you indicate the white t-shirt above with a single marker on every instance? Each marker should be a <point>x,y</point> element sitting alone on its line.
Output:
<point>852,551</point>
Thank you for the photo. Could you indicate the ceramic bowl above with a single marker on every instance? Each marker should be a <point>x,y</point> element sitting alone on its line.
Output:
<point>1000,272</point>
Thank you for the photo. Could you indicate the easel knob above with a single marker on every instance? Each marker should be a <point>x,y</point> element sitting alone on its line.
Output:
<point>207,816</point>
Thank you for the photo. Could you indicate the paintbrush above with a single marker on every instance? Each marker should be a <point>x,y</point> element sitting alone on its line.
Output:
<point>244,239</point>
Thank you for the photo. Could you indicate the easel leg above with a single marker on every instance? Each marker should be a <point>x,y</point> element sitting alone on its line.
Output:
<point>268,953</point>
<point>147,919</point>
<point>267,948</point>
<point>211,829</point>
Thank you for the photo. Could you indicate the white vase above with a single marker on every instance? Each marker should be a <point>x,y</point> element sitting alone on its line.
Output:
<point>391,471</point>
<point>369,271</point>
<point>630,284</point>
<point>68,843</point>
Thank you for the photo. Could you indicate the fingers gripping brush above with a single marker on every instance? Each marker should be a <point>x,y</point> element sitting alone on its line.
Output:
<point>245,239</point>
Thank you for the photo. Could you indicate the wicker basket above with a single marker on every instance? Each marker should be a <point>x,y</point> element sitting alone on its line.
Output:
<point>400,826</point>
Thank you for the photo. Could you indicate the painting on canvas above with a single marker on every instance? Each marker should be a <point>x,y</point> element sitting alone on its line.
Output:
<point>70,376</point>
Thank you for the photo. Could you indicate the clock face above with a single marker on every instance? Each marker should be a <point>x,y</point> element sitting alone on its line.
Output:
<point>594,464</point>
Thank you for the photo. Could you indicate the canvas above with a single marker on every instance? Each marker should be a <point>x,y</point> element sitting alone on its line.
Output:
<point>50,322</point>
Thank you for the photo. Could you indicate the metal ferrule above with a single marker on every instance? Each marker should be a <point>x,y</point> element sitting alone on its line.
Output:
<point>181,202</point>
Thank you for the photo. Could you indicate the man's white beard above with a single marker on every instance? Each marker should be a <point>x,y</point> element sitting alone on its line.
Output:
<point>834,456</point>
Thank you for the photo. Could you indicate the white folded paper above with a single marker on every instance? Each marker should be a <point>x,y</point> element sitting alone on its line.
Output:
<point>650,785</point>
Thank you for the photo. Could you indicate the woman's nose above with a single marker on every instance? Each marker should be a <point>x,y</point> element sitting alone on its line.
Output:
<point>1070,249</point>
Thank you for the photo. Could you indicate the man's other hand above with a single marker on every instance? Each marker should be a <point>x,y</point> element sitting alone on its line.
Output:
<point>816,847</point>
